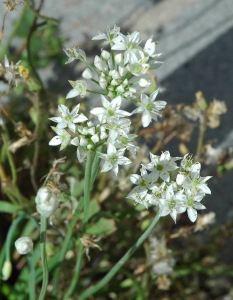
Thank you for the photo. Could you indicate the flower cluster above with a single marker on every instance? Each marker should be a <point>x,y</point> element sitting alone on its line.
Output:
<point>113,71</point>
<point>172,196</point>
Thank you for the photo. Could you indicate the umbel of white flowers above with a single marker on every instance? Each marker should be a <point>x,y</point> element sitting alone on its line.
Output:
<point>173,195</point>
<point>46,201</point>
<point>119,75</point>
<point>114,73</point>
<point>24,245</point>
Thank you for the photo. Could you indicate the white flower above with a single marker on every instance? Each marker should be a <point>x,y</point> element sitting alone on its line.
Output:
<point>139,196</point>
<point>129,43</point>
<point>138,64</point>
<point>62,137</point>
<point>110,110</point>
<point>193,180</point>
<point>156,193</point>
<point>149,48</point>
<point>24,245</point>
<point>46,202</point>
<point>171,202</point>
<point>79,88</point>
<point>150,108</point>
<point>143,182</point>
<point>67,118</point>
<point>162,165</point>
<point>74,53</point>
<point>124,141</point>
<point>109,35</point>
<point>117,127</point>
<point>113,158</point>
<point>191,204</point>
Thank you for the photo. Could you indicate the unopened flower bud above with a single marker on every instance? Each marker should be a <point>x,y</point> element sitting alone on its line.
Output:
<point>90,124</point>
<point>83,142</point>
<point>125,82</point>
<point>143,82</point>
<point>6,270</point>
<point>89,146</point>
<point>118,58</point>
<point>99,63</point>
<point>46,202</point>
<point>120,88</point>
<point>103,83</point>
<point>114,74</point>
<point>95,138</point>
<point>24,245</point>
<point>103,135</point>
<point>110,94</point>
<point>122,71</point>
<point>105,54</point>
<point>87,74</point>
<point>114,82</point>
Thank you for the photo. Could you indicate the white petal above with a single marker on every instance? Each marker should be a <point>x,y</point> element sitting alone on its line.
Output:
<point>165,176</point>
<point>56,119</point>
<point>80,118</point>
<point>73,93</point>
<point>107,166</point>
<point>154,94</point>
<point>192,214</point>
<point>180,179</point>
<point>56,140</point>
<point>146,118</point>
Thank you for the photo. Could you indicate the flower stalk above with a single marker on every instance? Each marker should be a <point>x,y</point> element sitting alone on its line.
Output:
<point>43,230</point>
<point>92,290</point>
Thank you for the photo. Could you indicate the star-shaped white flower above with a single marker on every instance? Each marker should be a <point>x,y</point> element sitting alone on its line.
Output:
<point>79,88</point>
<point>193,180</point>
<point>109,35</point>
<point>191,203</point>
<point>113,158</point>
<point>74,53</point>
<point>150,108</point>
<point>62,137</point>
<point>110,111</point>
<point>171,202</point>
<point>162,165</point>
<point>129,43</point>
<point>67,118</point>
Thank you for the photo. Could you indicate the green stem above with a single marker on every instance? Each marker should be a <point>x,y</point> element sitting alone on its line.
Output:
<point>89,66</point>
<point>95,166</point>
<point>96,92</point>
<point>43,229</point>
<point>65,245</point>
<point>113,58</point>
<point>76,272</point>
<point>11,234</point>
<point>95,81</point>
<point>32,286</point>
<point>87,188</point>
<point>38,15</point>
<point>92,290</point>
<point>201,136</point>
